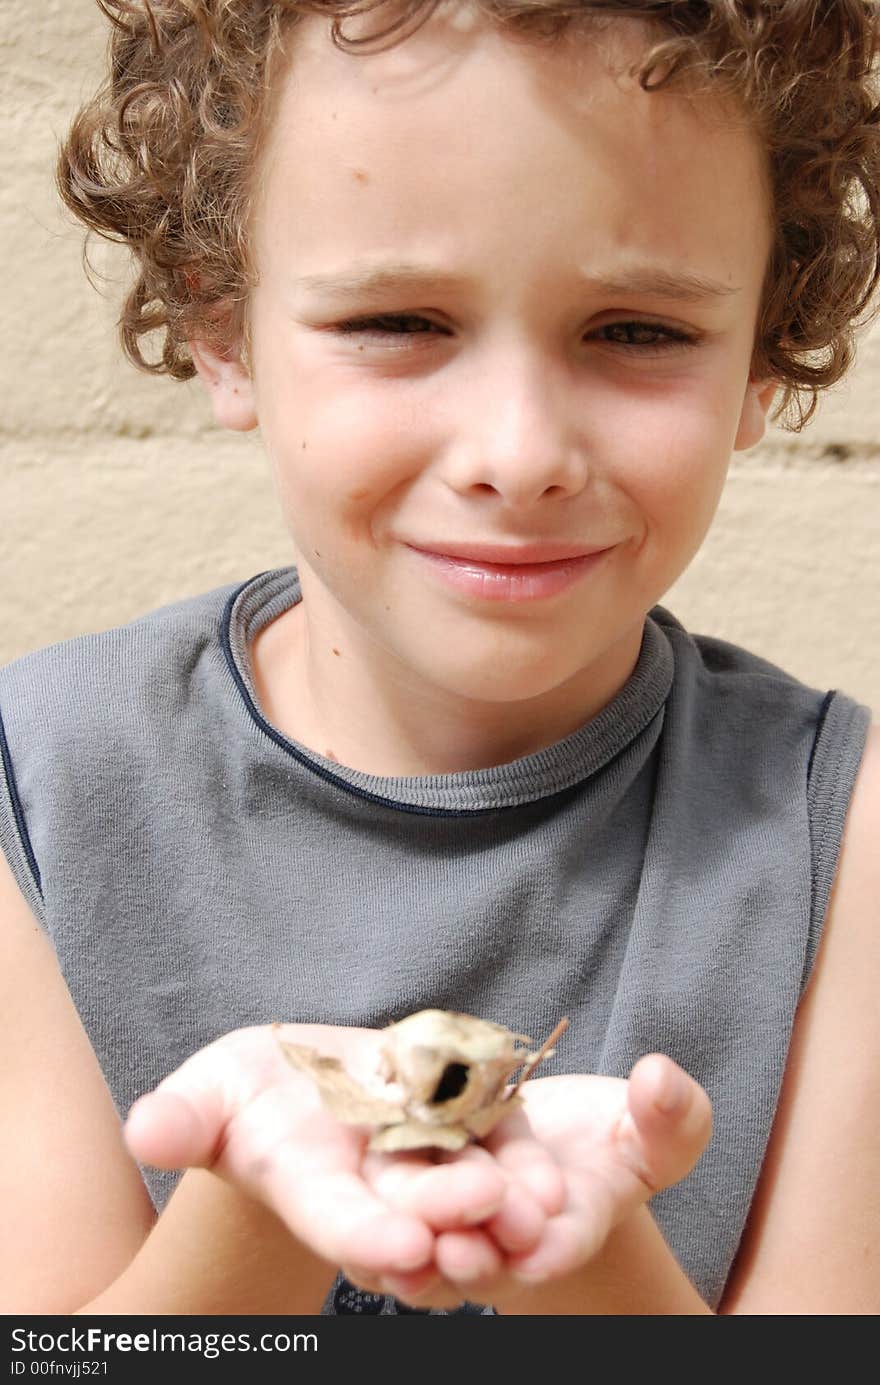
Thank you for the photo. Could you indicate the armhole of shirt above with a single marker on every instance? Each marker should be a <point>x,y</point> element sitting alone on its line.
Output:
<point>835,758</point>
<point>14,836</point>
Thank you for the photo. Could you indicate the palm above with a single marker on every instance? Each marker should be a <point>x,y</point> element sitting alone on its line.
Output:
<point>585,1126</point>
<point>239,1108</point>
<point>586,1123</point>
<point>537,1198</point>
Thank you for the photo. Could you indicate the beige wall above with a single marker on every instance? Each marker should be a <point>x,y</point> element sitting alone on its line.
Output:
<point>118,494</point>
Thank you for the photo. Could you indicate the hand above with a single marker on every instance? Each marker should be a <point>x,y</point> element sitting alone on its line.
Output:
<point>589,1151</point>
<point>237,1107</point>
<point>535,1202</point>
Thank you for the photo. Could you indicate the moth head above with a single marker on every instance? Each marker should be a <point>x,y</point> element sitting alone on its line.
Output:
<point>449,1064</point>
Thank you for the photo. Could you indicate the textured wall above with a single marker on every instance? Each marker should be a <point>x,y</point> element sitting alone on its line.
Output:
<point>118,493</point>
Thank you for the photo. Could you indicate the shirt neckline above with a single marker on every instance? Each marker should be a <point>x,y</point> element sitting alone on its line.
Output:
<point>543,774</point>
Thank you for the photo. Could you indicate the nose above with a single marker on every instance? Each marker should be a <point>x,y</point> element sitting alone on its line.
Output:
<point>516,434</point>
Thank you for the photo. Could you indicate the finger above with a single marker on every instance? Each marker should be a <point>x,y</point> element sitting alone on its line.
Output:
<point>569,1240</point>
<point>423,1290</point>
<point>467,1257</point>
<point>420,1288</point>
<point>169,1131</point>
<point>672,1115</point>
<point>343,1220</point>
<point>182,1123</point>
<point>531,1165</point>
<point>369,1281</point>
<point>519,1224</point>
<point>445,1195</point>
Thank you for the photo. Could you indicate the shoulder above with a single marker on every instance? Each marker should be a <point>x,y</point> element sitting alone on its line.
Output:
<point>860,860</point>
<point>98,692</point>
<point>725,671</point>
<point>93,689</point>
<point>755,750</point>
<point>848,965</point>
<point>811,1243</point>
<point>741,710</point>
<point>754,729</point>
<point>128,655</point>
<point>79,717</point>
<point>747,719</point>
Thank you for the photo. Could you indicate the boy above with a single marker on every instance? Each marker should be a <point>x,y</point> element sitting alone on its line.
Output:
<point>457,759</point>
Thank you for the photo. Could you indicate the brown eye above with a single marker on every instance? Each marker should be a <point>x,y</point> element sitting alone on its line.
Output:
<point>453,1080</point>
<point>651,336</point>
<point>389,325</point>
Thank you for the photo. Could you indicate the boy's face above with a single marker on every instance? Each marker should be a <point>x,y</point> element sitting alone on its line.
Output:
<point>506,307</point>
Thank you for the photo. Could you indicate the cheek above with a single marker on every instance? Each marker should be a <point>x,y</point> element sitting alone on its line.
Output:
<point>674,449</point>
<point>340,472</point>
<point>336,437</point>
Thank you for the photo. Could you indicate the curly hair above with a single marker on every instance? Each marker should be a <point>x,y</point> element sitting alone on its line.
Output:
<point>163,158</point>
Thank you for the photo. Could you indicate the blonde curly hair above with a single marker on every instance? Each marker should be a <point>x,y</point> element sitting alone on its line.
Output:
<point>163,158</point>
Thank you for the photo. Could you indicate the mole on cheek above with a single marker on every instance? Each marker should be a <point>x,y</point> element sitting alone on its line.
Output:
<point>360,175</point>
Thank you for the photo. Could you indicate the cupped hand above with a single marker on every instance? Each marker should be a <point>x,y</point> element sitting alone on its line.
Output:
<point>237,1107</point>
<point>590,1151</point>
<point>533,1203</point>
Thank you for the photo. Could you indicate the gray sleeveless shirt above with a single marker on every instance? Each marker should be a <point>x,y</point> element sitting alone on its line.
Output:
<point>660,876</point>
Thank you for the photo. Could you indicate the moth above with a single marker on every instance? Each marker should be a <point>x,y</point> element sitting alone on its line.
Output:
<point>449,1074</point>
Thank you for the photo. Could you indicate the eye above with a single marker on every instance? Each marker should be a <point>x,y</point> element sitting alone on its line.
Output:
<point>453,1081</point>
<point>389,325</point>
<point>646,337</point>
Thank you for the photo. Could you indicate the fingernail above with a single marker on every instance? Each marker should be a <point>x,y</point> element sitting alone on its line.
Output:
<point>674,1092</point>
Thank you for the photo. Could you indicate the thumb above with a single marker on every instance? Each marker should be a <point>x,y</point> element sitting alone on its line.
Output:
<point>673,1119</point>
<point>170,1130</point>
<point>183,1122</point>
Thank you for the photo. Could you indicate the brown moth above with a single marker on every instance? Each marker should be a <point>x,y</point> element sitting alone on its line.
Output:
<point>449,1072</point>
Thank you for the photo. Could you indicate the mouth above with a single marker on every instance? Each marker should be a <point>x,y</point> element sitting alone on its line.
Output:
<point>496,555</point>
<point>510,573</point>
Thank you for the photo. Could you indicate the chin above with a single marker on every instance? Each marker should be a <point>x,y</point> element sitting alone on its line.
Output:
<point>501,682</point>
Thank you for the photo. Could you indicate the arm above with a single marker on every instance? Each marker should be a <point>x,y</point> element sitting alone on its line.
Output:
<point>536,1202</point>
<point>811,1245</point>
<point>79,1230</point>
<point>216,1251</point>
<point>634,1275</point>
<point>75,1209</point>
<point>600,1253</point>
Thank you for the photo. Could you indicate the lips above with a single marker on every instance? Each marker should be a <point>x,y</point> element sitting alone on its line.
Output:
<point>509,555</point>
<point>512,573</point>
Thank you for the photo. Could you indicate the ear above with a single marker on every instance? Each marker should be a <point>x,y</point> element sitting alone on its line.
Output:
<point>753,415</point>
<point>229,386</point>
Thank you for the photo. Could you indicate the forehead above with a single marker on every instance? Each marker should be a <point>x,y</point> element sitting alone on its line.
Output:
<point>463,134</point>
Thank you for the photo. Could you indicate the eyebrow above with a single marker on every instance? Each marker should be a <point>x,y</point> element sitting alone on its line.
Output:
<point>680,285</point>
<point>683,285</point>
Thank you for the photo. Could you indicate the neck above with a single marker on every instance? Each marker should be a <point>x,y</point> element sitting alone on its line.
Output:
<point>376,717</point>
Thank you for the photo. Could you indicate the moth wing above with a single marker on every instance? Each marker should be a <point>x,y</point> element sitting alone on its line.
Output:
<point>480,1122</point>
<point>412,1134</point>
<point>345,1098</point>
